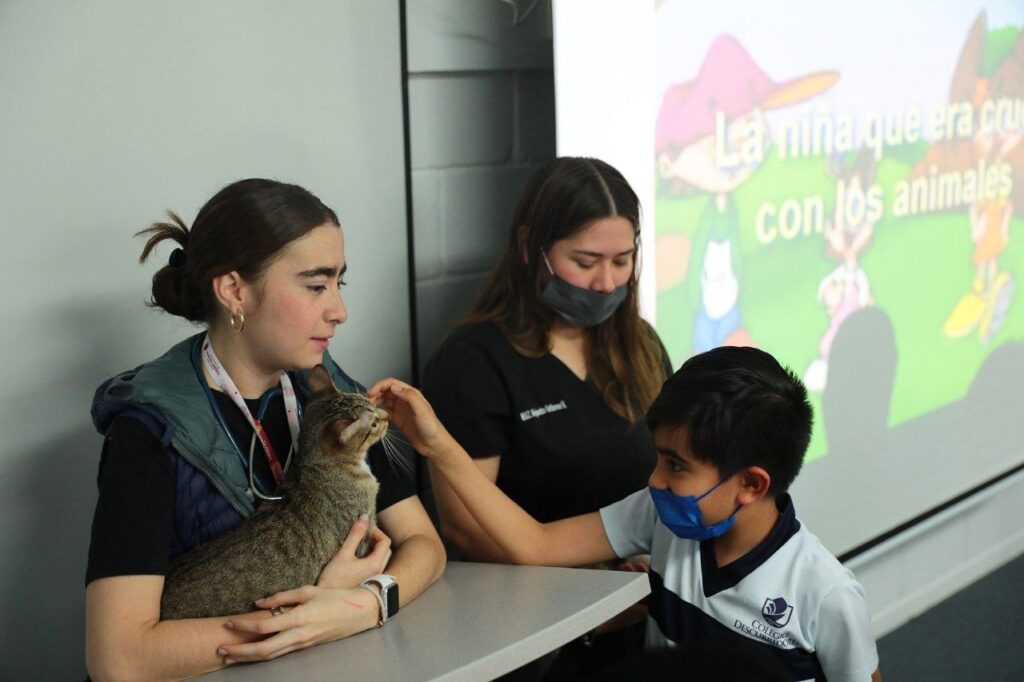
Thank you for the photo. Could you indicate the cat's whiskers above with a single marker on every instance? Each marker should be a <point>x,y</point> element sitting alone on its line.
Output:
<point>389,448</point>
<point>394,437</point>
<point>395,458</point>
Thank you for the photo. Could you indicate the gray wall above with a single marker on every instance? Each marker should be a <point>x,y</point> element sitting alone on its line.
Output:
<point>481,119</point>
<point>112,112</point>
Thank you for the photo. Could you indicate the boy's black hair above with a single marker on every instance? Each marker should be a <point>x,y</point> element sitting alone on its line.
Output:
<point>743,409</point>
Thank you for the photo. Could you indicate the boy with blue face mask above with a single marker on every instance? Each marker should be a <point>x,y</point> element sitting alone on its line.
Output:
<point>729,559</point>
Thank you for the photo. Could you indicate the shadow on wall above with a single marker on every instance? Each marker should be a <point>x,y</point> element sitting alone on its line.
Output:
<point>984,429</point>
<point>50,491</point>
<point>855,417</point>
<point>855,404</point>
<point>1005,364</point>
<point>999,382</point>
<point>916,464</point>
<point>44,597</point>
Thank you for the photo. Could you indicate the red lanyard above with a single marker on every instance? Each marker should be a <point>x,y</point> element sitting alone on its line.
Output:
<point>221,378</point>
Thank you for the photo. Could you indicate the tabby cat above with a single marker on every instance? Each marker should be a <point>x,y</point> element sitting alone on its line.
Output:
<point>286,543</point>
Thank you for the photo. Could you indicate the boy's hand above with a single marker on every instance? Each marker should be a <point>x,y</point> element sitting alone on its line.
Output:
<point>412,414</point>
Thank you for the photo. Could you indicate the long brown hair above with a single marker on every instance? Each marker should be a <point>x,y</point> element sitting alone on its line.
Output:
<point>624,357</point>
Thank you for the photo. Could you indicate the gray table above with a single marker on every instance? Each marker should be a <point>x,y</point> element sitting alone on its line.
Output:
<point>477,622</point>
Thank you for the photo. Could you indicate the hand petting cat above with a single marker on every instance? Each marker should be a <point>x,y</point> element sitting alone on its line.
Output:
<point>410,412</point>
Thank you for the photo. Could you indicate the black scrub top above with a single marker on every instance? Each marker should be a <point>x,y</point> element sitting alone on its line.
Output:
<point>563,451</point>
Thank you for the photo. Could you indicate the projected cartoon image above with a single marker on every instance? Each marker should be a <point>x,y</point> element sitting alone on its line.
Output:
<point>989,74</point>
<point>711,137</point>
<point>866,188</point>
<point>985,305</point>
<point>845,289</point>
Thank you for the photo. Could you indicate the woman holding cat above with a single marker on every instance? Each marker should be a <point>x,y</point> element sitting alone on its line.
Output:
<point>261,266</point>
<point>546,380</point>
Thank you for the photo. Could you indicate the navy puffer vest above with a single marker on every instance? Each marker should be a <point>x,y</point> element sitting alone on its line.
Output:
<point>168,396</point>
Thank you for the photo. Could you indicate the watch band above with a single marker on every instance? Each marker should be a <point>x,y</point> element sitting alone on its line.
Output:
<point>380,603</point>
<point>387,596</point>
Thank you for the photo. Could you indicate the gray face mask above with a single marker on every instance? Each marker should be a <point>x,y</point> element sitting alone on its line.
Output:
<point>578,306</point>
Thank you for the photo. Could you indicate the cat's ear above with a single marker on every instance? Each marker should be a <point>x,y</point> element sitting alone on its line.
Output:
<point>320,380</point>
<point>344,429</point>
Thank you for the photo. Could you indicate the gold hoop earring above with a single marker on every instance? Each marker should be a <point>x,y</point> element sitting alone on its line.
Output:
<point>238,324</point>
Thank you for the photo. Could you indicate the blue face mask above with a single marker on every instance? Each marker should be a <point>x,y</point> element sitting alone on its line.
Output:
<point>682,515</point>
<point>578,306</point>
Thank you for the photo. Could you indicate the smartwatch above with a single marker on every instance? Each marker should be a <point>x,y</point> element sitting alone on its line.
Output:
<point>387,599</point>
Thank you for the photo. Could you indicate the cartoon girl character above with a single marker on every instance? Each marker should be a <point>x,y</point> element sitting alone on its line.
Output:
<point>845,289</point>
<point>711,136</point>
<point>985,304</point>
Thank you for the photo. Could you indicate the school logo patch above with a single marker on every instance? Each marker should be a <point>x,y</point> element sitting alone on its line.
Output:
<point>776,611</point>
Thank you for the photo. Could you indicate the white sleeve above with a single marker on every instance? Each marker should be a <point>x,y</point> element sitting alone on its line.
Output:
<point>844,642</point>
<point>629,524</point>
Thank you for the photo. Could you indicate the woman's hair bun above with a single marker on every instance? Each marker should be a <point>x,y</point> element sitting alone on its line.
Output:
<point>172,289</point>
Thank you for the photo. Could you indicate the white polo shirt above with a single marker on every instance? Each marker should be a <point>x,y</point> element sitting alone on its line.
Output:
<point>788,595</point>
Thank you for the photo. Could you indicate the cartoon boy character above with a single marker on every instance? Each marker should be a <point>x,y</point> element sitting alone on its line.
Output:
<point>710,136</point>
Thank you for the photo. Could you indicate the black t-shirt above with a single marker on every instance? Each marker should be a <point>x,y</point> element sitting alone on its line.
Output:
<point>563,451</point>
<point>133,527</point>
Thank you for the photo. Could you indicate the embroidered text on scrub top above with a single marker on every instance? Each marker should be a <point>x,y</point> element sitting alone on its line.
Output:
<point>534,412</point>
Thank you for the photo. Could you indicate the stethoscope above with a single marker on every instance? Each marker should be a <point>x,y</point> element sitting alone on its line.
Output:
<point>213,366</point>
<point>252,482</point>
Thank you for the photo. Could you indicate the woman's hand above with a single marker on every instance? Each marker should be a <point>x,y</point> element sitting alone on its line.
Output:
<point>305,617</point>
<point>345,570</point>
<point>412,414</point>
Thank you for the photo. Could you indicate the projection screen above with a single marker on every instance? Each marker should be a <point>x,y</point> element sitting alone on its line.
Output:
<point>842,186</point>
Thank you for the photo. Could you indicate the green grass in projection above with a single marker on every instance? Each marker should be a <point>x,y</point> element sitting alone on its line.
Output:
<point>918,268</point>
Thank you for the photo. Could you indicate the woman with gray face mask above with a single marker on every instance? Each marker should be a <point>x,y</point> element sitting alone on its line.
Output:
<point>546,381</point>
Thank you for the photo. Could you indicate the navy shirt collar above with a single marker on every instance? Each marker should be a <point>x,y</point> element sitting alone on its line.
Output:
<point>715,578</point>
